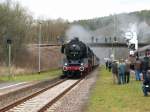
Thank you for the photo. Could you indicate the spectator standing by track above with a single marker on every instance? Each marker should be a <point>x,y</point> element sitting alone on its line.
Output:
<point>145,65</point>
<point>121,71</point>
<point>115,71</point>
<point>109,65</point>
<point>146,83</point>
<point>106,64</point>
<point>137,69</point>
<point>127,71</point>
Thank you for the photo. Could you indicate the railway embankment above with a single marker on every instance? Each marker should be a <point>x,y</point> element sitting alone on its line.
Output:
<point>27,61</point>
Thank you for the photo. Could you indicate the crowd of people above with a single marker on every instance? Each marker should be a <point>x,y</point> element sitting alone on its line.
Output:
<point>121,71</point>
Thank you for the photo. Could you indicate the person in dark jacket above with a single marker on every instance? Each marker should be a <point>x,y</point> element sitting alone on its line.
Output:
<point>145,65</point>
<point>109,65</point>
<point>115,71</point>
<point>146,83</point>
<point>106,64</point>
<point>127,71</point>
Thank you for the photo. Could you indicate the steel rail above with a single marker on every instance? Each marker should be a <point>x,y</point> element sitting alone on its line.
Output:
<point>45,107</point>
<point>14,104</point>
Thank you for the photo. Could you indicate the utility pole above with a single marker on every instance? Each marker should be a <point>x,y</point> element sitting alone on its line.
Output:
<point>9,42</point>
<point>92,39</point>
<point>96,40</point>
<point>105,40</point>
<point>62,42</point>
<point>115,35</point>
<point>39,50</point>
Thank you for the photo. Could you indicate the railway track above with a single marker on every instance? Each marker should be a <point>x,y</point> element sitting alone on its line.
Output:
<point>41,100</point>
<point>19,93</point>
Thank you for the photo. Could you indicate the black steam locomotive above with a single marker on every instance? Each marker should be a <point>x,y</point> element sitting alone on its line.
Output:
<point>79,58</point>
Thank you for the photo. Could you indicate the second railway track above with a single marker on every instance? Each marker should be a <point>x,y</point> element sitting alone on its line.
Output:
<point>40,101</point>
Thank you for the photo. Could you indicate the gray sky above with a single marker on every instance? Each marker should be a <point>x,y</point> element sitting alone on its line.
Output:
<point>81,9</point>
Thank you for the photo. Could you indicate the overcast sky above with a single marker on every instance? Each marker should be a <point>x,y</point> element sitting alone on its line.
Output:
<point>82,9</point>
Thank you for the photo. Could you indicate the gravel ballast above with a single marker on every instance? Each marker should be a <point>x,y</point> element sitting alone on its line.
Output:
<point>77,99</point>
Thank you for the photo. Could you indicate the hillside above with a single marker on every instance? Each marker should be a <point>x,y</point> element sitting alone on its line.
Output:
<point>118,24</point>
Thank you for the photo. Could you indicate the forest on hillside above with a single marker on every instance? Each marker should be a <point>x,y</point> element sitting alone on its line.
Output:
<point>17,24</point>
<point>116,25</point>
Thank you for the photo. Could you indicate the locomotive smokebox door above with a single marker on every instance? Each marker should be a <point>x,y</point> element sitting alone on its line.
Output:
<point>9,41</point>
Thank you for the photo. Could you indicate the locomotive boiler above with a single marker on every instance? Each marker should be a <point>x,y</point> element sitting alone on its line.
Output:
<point>79,59</point>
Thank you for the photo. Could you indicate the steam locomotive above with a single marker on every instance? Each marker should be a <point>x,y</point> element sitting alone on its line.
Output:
<point>79,59</point>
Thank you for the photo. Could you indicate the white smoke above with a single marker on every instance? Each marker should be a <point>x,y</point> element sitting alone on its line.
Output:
<point>133,24</point>
<point>143,31</point>
<point>132,27</point>
<point>80,32</point>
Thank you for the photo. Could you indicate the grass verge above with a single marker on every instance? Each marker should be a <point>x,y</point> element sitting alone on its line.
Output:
<point>109,97</point>
<point>32,77</point>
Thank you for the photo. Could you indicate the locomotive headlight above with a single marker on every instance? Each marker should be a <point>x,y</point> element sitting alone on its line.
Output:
<point>81,64</point>
<point>66,64</point>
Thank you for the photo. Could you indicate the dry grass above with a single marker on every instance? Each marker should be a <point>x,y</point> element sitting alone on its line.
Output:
<point>109,97</point>
<point>27,60</point>
<point>32,77</point>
